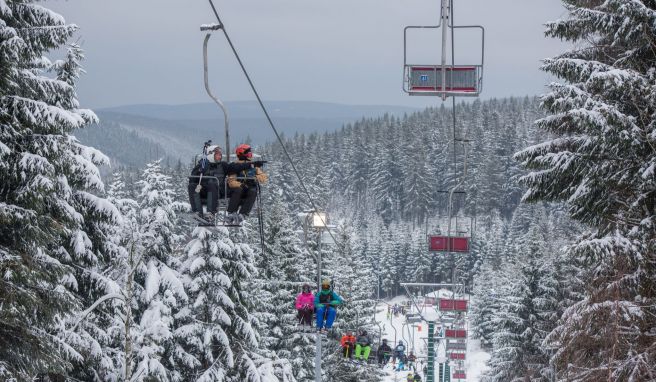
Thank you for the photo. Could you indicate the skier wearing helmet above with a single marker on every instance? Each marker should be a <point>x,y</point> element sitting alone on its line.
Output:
<point>207,180</point>
<point>305,306</point>
<point>244,186</point>
<point>325,301</point>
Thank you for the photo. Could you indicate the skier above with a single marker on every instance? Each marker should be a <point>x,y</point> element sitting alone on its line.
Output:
<point>399,351</point>
<point>410,378</point>
<point>244,191</point>
<point>203,180</point>
<point>384,352</point>
<point>362,347</point>
<point>410,361</point>
<point>325,302</point>
<point>304,306</point>
<point>347,342</point>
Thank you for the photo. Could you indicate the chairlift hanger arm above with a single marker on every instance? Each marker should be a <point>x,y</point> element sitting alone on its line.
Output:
<point>212,27</point>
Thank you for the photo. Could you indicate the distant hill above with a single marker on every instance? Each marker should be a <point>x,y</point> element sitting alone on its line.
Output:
<point>251,110</point>
<point>134,134</point>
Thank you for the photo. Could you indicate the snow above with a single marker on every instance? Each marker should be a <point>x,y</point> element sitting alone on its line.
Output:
<point>476,362</point>
<point>152,280</point>
<point>4,9</point>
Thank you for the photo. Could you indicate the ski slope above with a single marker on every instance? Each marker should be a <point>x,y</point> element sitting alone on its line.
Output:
<point>394,330</point>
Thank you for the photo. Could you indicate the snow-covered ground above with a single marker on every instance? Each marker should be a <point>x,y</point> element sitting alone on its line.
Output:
<point>414,336</point>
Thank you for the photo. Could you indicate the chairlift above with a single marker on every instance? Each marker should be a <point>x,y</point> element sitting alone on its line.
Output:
<point>457,356</point>
<point>443,80</point>
<point>456,345</point>
<point>201,197</point>
<point>459,374</point>
<point>453,305</point>
<point>455,333</point>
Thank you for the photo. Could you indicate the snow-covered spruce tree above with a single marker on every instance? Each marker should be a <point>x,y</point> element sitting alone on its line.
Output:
<point>159,292</point>
<point>282,268</point>
<point>487,292</point>
<point>46,195</point>
<point>602,161</point>
<point>522,319</point>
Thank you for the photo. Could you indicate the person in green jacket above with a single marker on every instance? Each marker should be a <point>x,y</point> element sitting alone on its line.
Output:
<point>362,346</point>
<point>325,303</point>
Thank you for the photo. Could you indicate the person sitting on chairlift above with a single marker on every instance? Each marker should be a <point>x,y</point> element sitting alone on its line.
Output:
<point>244,190</point>
<point>348,343</point>
<point>203,181</point>
<point>384,352</point>
<point>326,302</point>
<point>305,306</point>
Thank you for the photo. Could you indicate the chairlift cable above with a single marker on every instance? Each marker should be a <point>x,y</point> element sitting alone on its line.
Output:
<point>268,117</point>
<point>260,217</point>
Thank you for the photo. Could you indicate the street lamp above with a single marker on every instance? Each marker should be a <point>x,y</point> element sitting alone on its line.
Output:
<point>320,223</point>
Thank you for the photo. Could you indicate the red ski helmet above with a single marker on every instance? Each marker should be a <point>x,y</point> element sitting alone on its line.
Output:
<point>243,151</point>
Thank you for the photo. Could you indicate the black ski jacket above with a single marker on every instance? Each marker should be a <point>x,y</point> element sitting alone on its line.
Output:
<point>219,170</point>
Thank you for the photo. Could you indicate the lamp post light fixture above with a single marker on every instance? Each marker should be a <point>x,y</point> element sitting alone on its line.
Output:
<point>319,221</point>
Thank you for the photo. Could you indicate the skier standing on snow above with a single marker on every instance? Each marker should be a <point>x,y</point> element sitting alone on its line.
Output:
<point>362,346</point>
<point>244,191</point>
<point>305,306</point>
<point>325,302</point>
<point>384,352</point>
<point>348,342</point>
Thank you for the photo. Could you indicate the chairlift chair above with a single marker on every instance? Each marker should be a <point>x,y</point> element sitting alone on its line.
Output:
<point>444,79</point>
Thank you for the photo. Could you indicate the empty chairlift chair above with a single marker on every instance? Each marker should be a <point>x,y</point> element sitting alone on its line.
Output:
<point>446,78</point>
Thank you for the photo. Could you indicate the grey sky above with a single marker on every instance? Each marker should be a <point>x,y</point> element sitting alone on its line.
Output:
<point>346,51</point>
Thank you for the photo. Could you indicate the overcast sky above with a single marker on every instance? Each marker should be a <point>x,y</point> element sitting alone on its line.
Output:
<point>345,51</point>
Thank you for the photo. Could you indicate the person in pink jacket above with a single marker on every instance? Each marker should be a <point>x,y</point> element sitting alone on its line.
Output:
<point>305,306</point>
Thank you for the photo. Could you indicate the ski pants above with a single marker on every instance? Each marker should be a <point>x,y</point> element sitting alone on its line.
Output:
<point>330,314</point>
<point>210,191</point>
<point>383,357</point>
<point>363,351</point>
<point>242,198</point>
<point>305,316</point>
<point>348,350</point>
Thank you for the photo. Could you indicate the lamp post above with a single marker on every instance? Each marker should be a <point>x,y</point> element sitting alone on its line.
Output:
<point>319,222</point>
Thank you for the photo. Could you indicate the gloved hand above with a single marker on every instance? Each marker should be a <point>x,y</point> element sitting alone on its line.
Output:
<point>334,303</point>
<point>258,163</point>
<point>320,305</point>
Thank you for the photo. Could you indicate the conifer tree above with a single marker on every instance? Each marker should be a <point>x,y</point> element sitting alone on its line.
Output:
<point>523,318</point>
<point>47,196</point>
<point>161,293</point>
<point>601,160</point>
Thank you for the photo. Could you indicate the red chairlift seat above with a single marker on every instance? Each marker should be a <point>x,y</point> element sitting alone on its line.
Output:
<point>442,243</point>
<point>459,374</point>
<point>451,305</point>
<point>457,356</point>
<point>456,333</point>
